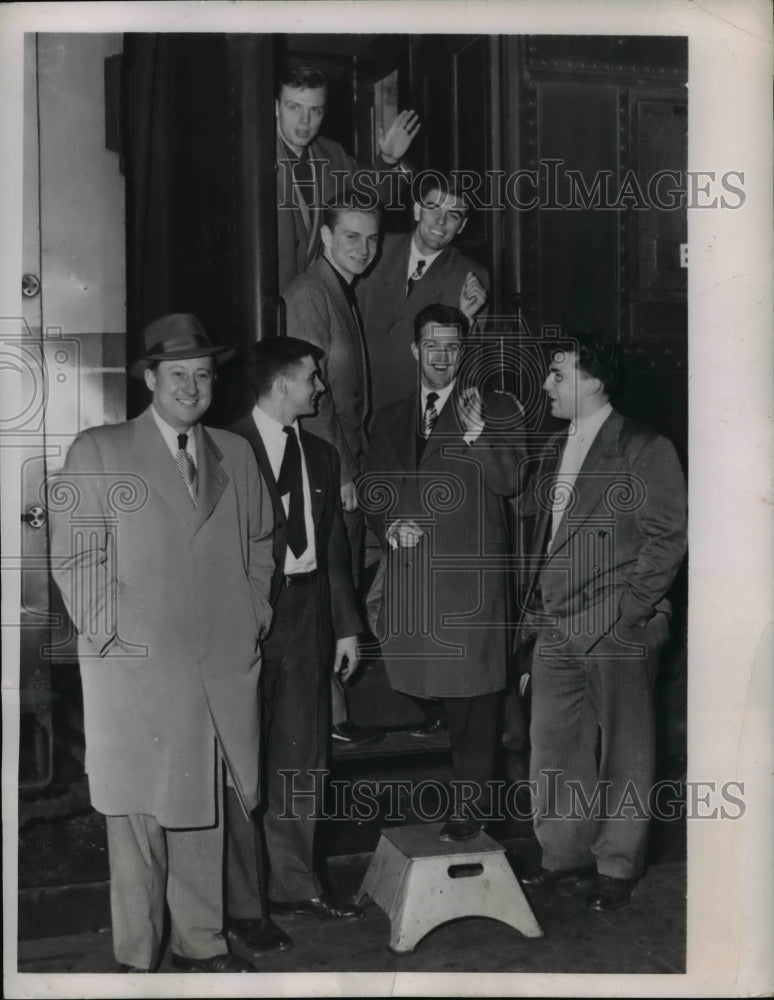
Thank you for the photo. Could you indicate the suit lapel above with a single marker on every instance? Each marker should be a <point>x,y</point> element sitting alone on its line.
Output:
<point>210,475</point>
<point>246,427</point>
<point>159,466</point>
<point>447,427</point>
<point>395,276</point>
<point>594,478</point>
<point>402,432</point>
<point>316,472</point>
<point>436,278</point>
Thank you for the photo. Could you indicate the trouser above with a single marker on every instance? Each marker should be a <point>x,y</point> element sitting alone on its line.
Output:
<point>593,757</point>
<point>150,865</point>
<point>296,719</point>
<point>355,525</point>
<point>245,863</point>
<point>472,726</point>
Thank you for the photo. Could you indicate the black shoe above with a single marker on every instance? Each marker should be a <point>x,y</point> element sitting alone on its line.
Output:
<point>259,935</point>
<point>321,907</point>
<point>218,963</point>
<point>131,968</point>
<point>608,893</point>
<point>539,876</point>
<point>350,732</point>
<point>430,727</point>
<point>457,830</point>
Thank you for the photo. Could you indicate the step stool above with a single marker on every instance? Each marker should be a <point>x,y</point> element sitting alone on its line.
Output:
<point>421,882</point>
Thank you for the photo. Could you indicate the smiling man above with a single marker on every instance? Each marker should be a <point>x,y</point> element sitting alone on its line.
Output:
<point>448,455</point>
<point>610,501</point>
<point>414,271</point>
<point>168,589</point>
<point>313,635</point>
<point>320,307</point>
<point>313,171</point>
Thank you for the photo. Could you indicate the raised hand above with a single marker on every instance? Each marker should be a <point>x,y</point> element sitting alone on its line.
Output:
<point>472,411</point>
<point>396,140</point>
<point>472,296</point>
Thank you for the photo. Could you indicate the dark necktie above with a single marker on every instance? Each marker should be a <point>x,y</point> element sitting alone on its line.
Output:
<point>290,481</point>
<point>303,178</point>
<point>430,416</point>
<point>415,277</point>
<point>185,464</point>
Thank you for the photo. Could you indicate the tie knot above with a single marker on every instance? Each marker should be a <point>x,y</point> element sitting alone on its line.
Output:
<point>182,441</point>
<point>431,398</point>
<point>289,430</point>
<point>419,268</point>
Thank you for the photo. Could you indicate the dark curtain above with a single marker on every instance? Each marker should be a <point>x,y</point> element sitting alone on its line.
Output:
<point>198,127</point>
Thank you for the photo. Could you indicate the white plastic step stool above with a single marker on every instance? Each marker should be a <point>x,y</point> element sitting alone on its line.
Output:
<point>421,882</point>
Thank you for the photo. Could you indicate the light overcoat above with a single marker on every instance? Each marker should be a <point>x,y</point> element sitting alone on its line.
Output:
<point>169,600</point>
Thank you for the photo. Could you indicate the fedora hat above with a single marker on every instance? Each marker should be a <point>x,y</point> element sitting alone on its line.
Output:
<point>175,337</point>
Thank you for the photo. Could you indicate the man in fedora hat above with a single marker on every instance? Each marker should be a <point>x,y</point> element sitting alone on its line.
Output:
<point>164,559</point>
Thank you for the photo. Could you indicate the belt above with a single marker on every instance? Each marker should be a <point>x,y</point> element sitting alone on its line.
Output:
<point>299,579</point>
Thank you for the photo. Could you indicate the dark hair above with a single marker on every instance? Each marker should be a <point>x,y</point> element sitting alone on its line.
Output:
<point>333,212</point>
<point>428,181</point>
<point>277,356</point>
<point>595,356</point>
<point>300,77</point>
<point>440,315</point>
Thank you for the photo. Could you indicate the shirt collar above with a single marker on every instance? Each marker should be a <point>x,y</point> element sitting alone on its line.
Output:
<point>170,434</point>
<point>589,426</point>
<point>443,395</point>
<point>415,255</point>
<point>346,285</point>
<point>268,426</point>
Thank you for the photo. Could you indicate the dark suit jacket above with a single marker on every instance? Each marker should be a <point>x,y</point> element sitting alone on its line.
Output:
<point>317,310</point>
<point>445,612</point>
<point>388,316</point>
<point>338,603</point>
<point>619,547</point>
<point>298,224</point>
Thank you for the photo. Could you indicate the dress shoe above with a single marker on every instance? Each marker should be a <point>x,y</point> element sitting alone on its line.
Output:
<point>321,907</point>
<point>608,893</point>
<point>457,830</point>
<point>218,963</point>
<point>350,732</point>
<point>430,727</point>
<point>260,934</point>
<point>122,967</point>
<point>536,877</point>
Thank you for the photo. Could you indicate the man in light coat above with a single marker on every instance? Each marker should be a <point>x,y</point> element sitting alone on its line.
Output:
<point>162,550</point>
<point>610,503</point>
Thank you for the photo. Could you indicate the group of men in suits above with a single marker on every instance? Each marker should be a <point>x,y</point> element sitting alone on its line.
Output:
<point>194,561</point>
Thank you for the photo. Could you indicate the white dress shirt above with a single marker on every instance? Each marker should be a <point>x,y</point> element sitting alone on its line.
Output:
<point>274,441</point>
<point>580,437</point>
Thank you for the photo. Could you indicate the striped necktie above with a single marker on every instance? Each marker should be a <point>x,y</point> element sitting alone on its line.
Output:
<point>185,464</point>
<point>430,415</point>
